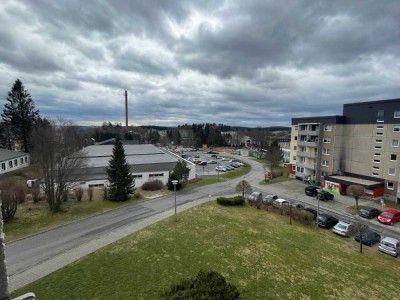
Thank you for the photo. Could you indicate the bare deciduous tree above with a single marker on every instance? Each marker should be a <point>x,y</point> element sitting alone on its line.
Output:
<point>244,187</point>
<point>356,191</point>
<point>57,147</point>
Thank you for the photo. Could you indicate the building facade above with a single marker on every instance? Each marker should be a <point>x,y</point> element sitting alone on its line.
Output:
<point>13,160</point>
<point>359,147</point>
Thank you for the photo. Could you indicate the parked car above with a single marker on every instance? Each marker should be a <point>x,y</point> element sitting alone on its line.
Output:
<point>311,210</point>
<point>389,216</point>
<point>390,246</point>
<point>269,198</point>
<point>297,205</point>
<point>368,237</point>
<point>343,228</point>
<point>281,202</point>
<point>327,221</point>
<point>212,162</point>
<point>203,163</point>
<point>324,195</point>
<point>369,212</point>
<point>254,196</point>
<point>224,159</point>
<point>221,169</point>
<point>311,190</point>
<point>229,168</point>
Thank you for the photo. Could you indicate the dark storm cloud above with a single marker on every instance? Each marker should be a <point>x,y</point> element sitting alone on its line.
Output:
<point>250,63</point>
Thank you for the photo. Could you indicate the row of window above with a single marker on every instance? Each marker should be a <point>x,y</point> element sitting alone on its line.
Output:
<point>381,114</point>
<point>395,143</point>
<point>312,127</point>
<point>14,163</point>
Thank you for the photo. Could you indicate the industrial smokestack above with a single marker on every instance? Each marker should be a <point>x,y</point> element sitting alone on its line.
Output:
<point>126,109</point>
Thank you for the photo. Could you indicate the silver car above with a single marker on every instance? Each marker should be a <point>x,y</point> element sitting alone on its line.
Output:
<point>390,246</point>
<point>343,228</point>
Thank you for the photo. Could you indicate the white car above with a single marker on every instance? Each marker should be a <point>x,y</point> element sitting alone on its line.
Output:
<point>281,202</point>
<point>390,246</point>
<point>343,228</point>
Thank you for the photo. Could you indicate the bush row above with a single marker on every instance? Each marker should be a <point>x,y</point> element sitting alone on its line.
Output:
<point>232,201</point>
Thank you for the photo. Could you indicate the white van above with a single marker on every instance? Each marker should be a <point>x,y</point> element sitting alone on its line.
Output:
<point>390,246</point>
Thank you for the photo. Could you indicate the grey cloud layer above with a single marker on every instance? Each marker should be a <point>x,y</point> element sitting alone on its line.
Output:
<point>248,63</point>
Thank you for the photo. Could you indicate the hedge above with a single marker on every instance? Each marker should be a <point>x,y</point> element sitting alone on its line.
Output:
<point>232,201</point>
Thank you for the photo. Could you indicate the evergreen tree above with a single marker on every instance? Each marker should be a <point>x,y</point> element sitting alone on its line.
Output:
<point>274,155</point>
<point>122,183</point>
<point>19,114</point>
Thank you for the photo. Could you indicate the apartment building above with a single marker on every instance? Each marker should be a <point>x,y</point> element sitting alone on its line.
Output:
<point>359,147</point>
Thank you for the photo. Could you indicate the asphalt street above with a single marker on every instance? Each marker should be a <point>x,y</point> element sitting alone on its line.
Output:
<point>33,257</point>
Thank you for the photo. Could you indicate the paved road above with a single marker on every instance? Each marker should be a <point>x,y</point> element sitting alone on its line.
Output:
<point>33,257</point>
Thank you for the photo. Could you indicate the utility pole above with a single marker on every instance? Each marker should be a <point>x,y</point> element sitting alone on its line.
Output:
<point>126,109</point>
<point>4,294</point>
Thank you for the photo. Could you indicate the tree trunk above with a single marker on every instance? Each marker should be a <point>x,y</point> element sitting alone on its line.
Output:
<point>360,243</point>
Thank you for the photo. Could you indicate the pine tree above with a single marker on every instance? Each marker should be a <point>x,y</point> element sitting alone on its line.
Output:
<point>19,114</point>
<point>122,183</point>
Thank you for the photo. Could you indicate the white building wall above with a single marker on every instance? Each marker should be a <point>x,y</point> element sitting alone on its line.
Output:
<point>14,164</point>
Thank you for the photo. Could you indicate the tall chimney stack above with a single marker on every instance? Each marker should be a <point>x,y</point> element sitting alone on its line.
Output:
<point>126,109</point>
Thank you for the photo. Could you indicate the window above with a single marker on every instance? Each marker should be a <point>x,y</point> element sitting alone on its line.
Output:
<point>10,163</point>
<point>377,161</point>
<point>302,159</point>
<point>327,140</point>
<point>395,143</point>
<point>156,175</point>
<point>392,172</point>
<point>379,126</point>
<point>375,168</point>
<point>303,127</point>
<point>377,154</point>
<point>379,133</point>
<point>137,176</point>
<point>296,127</point>
<point>326,151</point>
<point>378,146</point>
<point>327,128</point>
<point>396,114</point>
<point>3,166</point>
<point>15,162</point>
<point>375,174</point>
<point>325,163</point>
<point>26,159</point>
<point>295,138</point>
<point>294,147</point>
<point>294,157</point>
<point>393,157</point>
<point>380,116</point>
<point>396,128</point>
<point>21,160</point>
<point>294,168</point>
<point>390,186</point>
<point>378,141</point>
<point>324,173</point>
<point>96,185</point>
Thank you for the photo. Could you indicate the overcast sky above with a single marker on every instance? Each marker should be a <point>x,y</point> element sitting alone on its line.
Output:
<point>245,63</point>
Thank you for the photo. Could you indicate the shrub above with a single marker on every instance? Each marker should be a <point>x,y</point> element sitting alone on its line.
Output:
<point>170,185</point>
<point>105,193</point>
<point>90,193</point>
<point>303,216</point>
<point>137,195</point>
<point>276,173</point>
<point>210,285</point>
<point>152,185</point>
<point>9,206</point>
<point>20,192</point>
<point>233,201</point>
<point>78,194</point>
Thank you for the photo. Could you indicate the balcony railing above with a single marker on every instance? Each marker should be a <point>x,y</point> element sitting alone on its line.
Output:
<point>306,154</point>
<point>307,143</point>
<point>305,165</point>
<point>309,132</point>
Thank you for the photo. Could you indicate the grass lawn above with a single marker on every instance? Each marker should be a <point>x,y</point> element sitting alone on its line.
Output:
<point>259,252</point>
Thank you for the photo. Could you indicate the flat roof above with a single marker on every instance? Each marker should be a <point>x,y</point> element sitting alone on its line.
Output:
<point>367,183</point>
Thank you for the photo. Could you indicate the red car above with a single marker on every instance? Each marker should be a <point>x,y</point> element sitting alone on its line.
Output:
<point>389,216</point>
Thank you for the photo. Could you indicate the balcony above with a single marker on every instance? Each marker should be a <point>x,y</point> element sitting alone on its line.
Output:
<point>307,143</point>
<point>309,132</point>
<point>305,165</point>
<point>306,154</point>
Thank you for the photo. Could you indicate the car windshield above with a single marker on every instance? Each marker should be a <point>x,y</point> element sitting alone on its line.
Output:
<point>387,215</point>
<point>341,226</point>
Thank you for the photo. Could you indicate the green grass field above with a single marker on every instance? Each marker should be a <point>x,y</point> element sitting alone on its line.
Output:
<point>259,252</point>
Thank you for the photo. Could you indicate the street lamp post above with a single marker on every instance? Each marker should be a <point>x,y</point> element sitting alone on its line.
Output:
<point>4,293</point>
<point>175,182</point>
